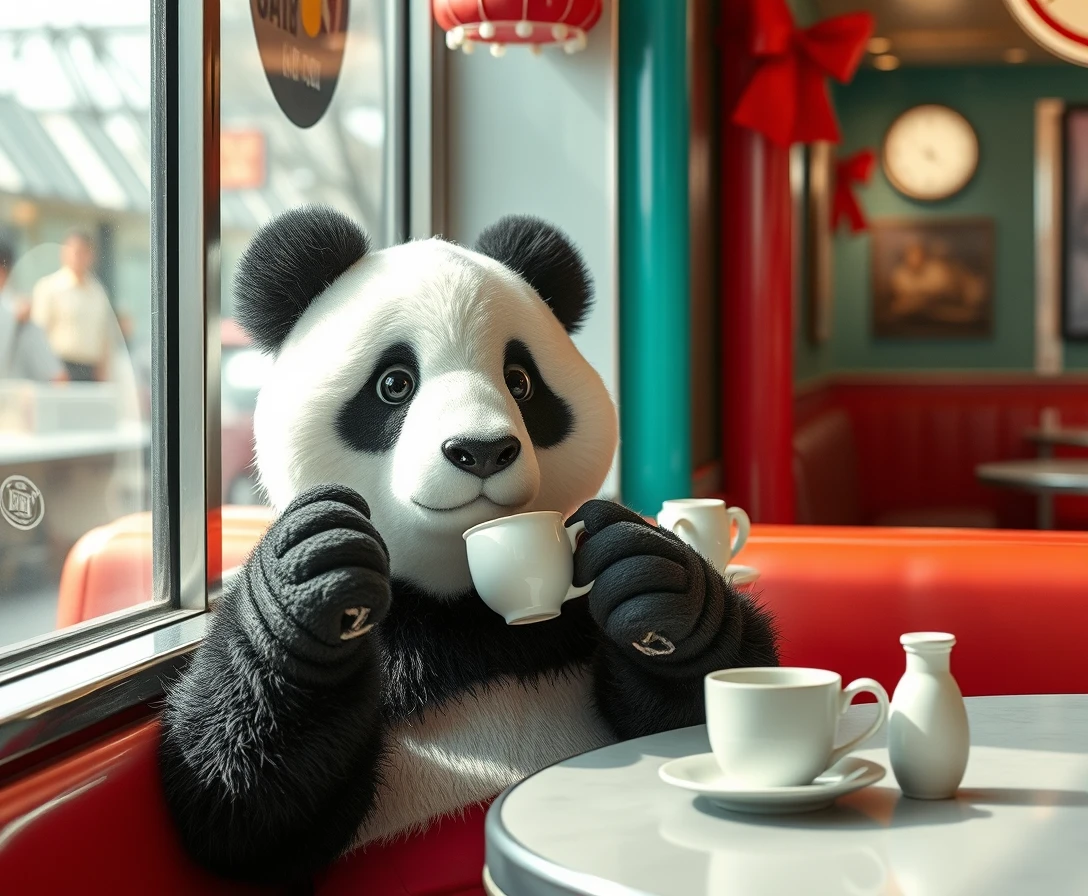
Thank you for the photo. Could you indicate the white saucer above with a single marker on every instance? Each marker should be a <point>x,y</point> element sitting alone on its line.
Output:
<point>701,775</point>
<point>741,575</point>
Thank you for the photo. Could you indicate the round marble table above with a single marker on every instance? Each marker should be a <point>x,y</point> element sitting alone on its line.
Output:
<point>605,824</point>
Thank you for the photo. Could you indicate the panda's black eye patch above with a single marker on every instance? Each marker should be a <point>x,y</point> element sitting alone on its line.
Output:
<point>547,417</point>
<point>371,419</point>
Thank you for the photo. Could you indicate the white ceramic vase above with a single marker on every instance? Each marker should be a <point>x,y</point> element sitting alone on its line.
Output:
<point>928,735</point>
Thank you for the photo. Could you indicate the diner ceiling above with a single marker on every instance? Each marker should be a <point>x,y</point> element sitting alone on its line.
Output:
<point>945,32</point>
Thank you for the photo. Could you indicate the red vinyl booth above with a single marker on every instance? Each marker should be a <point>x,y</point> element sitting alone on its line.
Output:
<point>1015,601</point>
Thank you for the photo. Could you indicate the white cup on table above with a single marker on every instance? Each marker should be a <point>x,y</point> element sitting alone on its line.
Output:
<point>707,525</point>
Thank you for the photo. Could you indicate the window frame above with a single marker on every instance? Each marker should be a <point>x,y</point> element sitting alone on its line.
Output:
<point>61,683</point>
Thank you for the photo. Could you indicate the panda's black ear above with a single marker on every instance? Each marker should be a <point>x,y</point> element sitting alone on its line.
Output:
<point>289,262</point>
<point>548,261</point>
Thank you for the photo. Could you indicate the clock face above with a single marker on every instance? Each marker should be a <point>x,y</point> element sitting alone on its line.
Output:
<point>1061,26</point>
<point>930,152</point>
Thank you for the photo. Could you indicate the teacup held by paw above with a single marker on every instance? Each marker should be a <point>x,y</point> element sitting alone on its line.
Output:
<point>706,524</point>
<point>776,726</point>
<point>523,565</point>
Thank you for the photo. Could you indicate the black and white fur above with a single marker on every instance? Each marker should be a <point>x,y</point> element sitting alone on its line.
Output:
<point>353,686</point>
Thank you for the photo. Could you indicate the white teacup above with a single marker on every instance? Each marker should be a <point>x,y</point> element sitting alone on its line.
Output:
<point>706,524</point>
<point>776,726</point>
<point>523,565</point>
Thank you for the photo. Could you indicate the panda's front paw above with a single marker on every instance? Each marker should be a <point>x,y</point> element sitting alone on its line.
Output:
<point>652,595</point>
<point>317,583</point>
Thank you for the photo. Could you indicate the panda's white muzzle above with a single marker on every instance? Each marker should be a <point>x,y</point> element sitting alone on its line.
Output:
<point>463,440</point>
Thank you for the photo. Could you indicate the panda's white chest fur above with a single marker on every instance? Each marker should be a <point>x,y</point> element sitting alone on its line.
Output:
<point>473,748</point>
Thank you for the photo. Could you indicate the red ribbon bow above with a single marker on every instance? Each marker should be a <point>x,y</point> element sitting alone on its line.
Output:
<point>787,99</point>
<point>856,169</point>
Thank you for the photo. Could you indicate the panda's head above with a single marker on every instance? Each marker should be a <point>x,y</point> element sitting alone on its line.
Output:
<point>440,383</point>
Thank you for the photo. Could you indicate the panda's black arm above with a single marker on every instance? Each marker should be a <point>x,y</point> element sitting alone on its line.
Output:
<point>668,619</point>
<point>638,696</point>
<point>272,738</point>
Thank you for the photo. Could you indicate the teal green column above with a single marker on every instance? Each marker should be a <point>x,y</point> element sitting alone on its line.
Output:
<point>654,293</point>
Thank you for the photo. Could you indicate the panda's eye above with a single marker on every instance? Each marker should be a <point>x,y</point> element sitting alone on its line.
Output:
<point>396,385</point>
<point>518,382</point>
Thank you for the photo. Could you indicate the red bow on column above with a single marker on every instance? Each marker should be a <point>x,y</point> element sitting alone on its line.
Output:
<point>857,169</point>
<point>787,99</point>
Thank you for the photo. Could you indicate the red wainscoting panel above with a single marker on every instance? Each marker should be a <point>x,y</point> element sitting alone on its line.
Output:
<point>919,438</point>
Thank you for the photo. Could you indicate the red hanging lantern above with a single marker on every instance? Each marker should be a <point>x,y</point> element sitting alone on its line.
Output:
<point>530,22</point>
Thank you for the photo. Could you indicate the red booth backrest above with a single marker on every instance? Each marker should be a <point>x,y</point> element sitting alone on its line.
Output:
<point>826,472</point>
<point>1016,601</point>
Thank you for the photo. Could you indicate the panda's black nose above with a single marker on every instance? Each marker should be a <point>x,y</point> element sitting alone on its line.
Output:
<point>482,459</point>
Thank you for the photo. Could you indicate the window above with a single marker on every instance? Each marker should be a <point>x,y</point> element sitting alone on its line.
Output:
<point>142,147</point>
<point>75,305</point>
<point>269,164</point>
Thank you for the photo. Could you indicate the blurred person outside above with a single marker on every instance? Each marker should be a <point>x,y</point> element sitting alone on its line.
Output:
<point>25,353</point>
<point>73,309</point>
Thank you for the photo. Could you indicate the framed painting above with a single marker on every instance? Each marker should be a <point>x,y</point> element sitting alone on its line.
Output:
<point>932,278</point>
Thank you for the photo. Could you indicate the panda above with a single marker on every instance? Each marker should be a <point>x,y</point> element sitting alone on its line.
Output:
<point>353,687</point>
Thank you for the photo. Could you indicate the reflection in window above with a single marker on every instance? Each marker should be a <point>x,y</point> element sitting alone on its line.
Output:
<point>269,164</point>
<point>75,312</point>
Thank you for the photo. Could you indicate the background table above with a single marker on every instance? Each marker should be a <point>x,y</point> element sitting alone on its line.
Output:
<point>1047,439</point>
<point>605,823</point>
<point>1043,476</point>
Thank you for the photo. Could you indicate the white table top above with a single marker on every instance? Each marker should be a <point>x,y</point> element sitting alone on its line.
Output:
<point>1059,475</point>
<point>604,824</point>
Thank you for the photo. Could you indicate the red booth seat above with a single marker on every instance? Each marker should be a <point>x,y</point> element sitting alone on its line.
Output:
<point>109,568</point>
<point>96,822</point>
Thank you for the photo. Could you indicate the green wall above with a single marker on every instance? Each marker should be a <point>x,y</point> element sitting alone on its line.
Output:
<point>804,11</point>
<point>1000,103</point>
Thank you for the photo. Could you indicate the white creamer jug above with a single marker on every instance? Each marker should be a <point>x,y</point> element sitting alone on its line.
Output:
<point>928,735</point>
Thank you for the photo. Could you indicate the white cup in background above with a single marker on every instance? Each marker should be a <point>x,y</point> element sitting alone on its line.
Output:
<point>706,524</point>
<point>776,726</point>
<point>523,565</point>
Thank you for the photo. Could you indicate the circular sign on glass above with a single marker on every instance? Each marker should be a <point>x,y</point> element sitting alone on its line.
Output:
<point>21,502</point>
<point>301,43</point>
<point>1060,26</point>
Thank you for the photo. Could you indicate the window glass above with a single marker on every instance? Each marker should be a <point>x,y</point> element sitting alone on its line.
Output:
<point>275,79</point>
<point>75,313</point>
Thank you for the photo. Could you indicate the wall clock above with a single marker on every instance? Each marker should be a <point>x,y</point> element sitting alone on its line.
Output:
<point>930,152</point>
